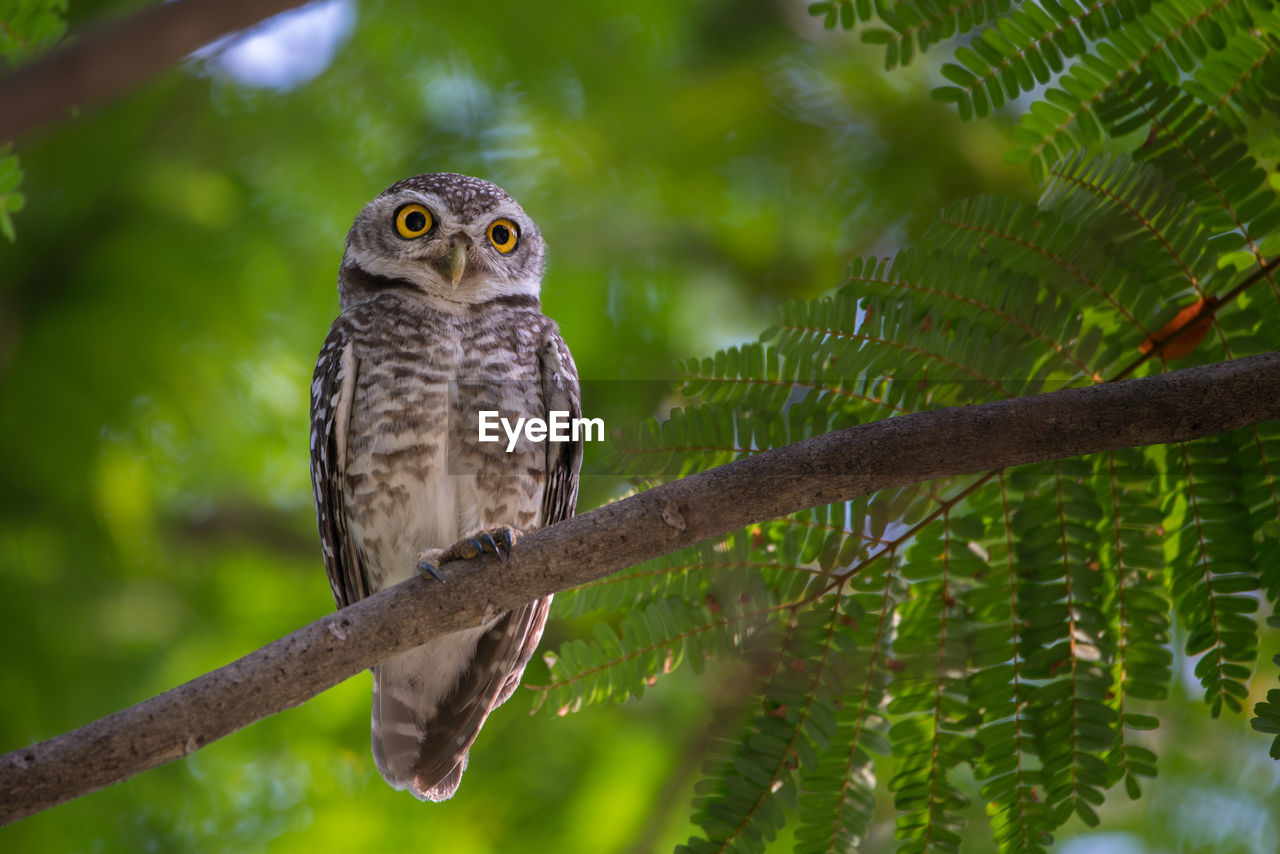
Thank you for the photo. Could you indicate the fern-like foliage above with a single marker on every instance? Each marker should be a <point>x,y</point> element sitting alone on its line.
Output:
<point>1003,637</point>
<point>27,28</point>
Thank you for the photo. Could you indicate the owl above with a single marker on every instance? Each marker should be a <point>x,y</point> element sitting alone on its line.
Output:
<point>440,320</point>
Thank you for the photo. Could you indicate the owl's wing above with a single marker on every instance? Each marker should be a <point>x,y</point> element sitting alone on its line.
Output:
<point>504,650</point>
<point>560,393</point>
<point>332,389</point>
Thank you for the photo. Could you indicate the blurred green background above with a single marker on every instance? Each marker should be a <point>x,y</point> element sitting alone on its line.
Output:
<point>690,165</point>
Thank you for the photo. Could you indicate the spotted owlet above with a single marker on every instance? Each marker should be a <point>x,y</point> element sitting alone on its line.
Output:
<point>439,321</point>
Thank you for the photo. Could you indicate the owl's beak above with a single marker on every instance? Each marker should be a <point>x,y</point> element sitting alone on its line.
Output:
<point>457,263</point>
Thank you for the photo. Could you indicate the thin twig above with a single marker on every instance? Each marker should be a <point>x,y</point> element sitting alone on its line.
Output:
<point>1208,309</point>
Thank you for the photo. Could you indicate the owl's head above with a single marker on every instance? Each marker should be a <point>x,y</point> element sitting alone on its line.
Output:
<point>456,239</point>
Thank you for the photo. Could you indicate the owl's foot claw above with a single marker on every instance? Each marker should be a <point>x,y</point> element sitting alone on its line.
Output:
<point>508,536</point>
<point>429,562</point>
<point>498,541</point>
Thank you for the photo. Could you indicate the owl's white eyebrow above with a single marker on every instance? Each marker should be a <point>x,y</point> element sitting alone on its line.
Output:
<point>430,201</point>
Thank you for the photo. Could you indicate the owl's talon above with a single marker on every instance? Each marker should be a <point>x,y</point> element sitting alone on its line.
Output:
<point>509,537</point>
<point>429,562</point>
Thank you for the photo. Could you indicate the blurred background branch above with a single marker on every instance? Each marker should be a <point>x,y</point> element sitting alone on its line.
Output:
<point>116,56</point>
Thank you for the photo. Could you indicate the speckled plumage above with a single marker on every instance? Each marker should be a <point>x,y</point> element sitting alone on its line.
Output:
<point>396,465</point>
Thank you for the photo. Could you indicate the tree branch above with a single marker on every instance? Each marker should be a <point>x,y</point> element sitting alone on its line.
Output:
<point>833,467</point>
<point>119,55</point>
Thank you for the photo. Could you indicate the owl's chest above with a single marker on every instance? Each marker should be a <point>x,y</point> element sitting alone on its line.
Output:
<point>417,476</point>
<point>421,383</point>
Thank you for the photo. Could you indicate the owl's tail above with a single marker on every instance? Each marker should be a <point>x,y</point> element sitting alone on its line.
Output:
<point>401,713</point>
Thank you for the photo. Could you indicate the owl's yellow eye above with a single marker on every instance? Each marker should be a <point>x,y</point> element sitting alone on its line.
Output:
<point>413,221</point>
<point>504,235</point>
